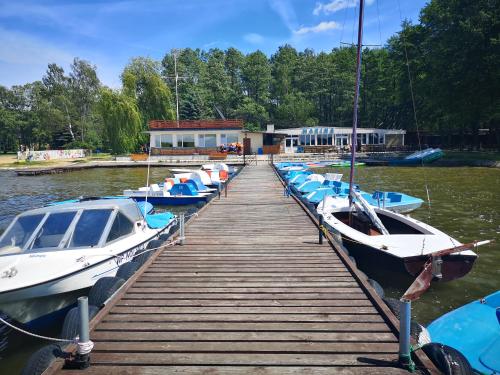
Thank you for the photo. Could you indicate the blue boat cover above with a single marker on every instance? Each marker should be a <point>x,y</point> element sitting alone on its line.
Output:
<point>197,184</point>
<point>183,189</point>
<point>474,330</point>
<point>145,207</point>
<point>157,221</point>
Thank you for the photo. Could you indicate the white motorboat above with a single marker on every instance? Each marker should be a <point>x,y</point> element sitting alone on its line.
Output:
<point>50,255</point>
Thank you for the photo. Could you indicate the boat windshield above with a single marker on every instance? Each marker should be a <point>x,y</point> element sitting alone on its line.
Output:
<point>53,230</point>
<point>14,239</point>
<point>89,229</point>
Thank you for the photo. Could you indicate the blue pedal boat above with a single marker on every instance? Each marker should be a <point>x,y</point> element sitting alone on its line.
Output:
<point>473,330</point>
<point>393,201</point>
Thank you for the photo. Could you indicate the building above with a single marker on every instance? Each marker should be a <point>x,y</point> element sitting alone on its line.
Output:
<point>204,137</point>
<point>331,139</point>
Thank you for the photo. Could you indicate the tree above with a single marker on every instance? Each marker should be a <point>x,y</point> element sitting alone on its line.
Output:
<point>122,120</point>
<point>256,74</point>
<point>84,86</point>
<point>142,81</point>
<point>253,114</point>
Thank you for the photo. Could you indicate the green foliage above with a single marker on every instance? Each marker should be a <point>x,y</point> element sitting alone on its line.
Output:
<point>142,81</point>
<point>122,120</point>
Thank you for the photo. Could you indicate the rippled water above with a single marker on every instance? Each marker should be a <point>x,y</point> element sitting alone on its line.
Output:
<point>464,204</point>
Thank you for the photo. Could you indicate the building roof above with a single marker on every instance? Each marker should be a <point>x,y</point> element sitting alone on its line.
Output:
<point>195,125</point>
<point>336,130</point>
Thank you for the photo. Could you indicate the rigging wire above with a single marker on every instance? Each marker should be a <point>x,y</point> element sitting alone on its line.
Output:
<point>379,29</point>
<point>414,109</point>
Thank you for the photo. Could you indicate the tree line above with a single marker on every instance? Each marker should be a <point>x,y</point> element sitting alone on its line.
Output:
<point>440,76</point>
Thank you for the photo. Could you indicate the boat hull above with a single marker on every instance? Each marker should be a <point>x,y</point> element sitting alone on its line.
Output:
<point>29,304</point>
<point>173,201</point>
<point>453,267</point>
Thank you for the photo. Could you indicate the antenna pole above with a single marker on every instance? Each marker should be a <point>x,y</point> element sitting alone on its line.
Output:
<point>356,99</point>
<point>174,52</point>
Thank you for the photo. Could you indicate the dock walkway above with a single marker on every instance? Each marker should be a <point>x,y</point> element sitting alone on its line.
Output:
<point>250,292</point>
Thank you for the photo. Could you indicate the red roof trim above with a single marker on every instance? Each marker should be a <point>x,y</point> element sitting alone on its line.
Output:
<point>196,124</point>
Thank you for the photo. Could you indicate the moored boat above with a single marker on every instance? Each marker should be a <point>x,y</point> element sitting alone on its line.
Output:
<point>50,255</point>
<point>473,330</point>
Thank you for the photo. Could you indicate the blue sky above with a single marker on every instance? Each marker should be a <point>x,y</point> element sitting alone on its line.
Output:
<point>108,33</point>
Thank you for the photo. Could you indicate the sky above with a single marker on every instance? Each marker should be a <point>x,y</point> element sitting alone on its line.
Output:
<point>108,33</point>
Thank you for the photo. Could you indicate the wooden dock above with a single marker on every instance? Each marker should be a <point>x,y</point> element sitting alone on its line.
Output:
<point>250,292</point>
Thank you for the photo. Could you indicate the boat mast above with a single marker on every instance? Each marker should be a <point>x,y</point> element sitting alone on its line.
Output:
<point>356,99</point>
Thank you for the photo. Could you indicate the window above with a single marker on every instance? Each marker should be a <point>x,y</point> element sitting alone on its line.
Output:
<point>381,139</point>
<point>227,139</point>
<point>122,226</point>
<point>341,140</point>
<point>374,138</point>
<point>163,140</point>
<point>53,230</point>
<point>20,231</point>
<point>185,140</point>
<point>207,140</point>
<point>88,230</point>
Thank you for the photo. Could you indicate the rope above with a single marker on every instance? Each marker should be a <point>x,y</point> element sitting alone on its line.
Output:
<point>417,128</point>
<point>33,334</point>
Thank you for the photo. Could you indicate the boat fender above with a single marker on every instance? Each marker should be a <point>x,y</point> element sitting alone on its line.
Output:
<point>378,288</point>
<point>144,256</point>
<point>354,262</point>
<point>71,325</point>
<point>42,359</point>
<point>4,332</point>
<point>127,270</point>
<point>447,359</point>
<point>363,275</point>
<point>103,289</point>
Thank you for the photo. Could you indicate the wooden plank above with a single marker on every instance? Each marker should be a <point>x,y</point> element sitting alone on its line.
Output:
<point>244,310</point>
<point>237,370</point>
<point>244,347</point>
<point>309,326</point>
<point>126,301</point>
<point>243,336</point>
<point>309,317</point>
<point>270,359</point>
<point>327,296</point>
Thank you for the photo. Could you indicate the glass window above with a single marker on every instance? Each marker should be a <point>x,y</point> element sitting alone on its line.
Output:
<point>207,140</point>
<point>21,231</point>
<point>166,140</point>
<point>157,141</point>
<point>122,226</point>
<point>88,230</point>
<point>53,230</point>
<point>330,139</point>
<point>381,139</point>
<point>185,140</point>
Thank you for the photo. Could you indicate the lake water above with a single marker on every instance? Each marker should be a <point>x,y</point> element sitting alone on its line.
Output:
<point>464,204</point>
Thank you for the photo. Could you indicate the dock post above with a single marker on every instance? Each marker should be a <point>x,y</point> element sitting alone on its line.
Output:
<point>84,344</point>
<point>181,229</point>
<point>225,189</point>
<point>218,189</point>
<point>320,228</point>
<point>404,335</point>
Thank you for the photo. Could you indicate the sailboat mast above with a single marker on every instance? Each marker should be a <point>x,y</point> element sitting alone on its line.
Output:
<point>356,99</point>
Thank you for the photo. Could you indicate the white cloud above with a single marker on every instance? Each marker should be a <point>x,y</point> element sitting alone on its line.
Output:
<point>253,38</point>
<point>321,27</point>
<point>286,12</point>
<point>336,5</point>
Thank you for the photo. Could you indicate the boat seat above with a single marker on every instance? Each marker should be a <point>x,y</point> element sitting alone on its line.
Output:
<point>155,187</point>
<point>395,198</point>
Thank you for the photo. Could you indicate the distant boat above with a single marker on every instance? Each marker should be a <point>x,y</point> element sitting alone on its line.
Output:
<point>345,164</point>
<point>50,254</point>
<point>178,194</point>
<point>473,330</point>
<point>420,157</point>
